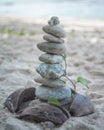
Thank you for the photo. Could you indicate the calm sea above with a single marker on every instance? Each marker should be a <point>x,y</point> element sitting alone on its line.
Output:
<point>89,9</point>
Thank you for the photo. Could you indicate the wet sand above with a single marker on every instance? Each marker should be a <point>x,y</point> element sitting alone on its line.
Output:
<point>85,57</point>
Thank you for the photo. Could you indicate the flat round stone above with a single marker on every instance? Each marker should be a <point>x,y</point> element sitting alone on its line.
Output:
<point>58,83</point>
<point>53,48</point>
<point>50,58</point>
<point>44,93</point>
<point>55,30</point>
<point>51,71</point>
<point>51,38</point>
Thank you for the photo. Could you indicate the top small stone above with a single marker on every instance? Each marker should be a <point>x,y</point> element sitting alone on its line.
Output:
<point>53,21</point>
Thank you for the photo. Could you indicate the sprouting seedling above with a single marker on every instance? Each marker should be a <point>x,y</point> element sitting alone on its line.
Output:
<point>32,33</point>
<point>79,79</point>
<point>65,55</point>
<point>63,81</point>
<point>82,81</point>
<point>54,101</point>
<point>74,85</point>
<point>8,31</point>
<point>72,95</point>
<point>21,32</point>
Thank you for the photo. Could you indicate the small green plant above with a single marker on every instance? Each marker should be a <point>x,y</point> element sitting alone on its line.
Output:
<point>6,31</point>
<point>82,81</point>
<point>63,81</point>
<point>79,79</point>
<point>72,95</point>
<point>54,101</point>
<point>32,33</point>
<point>21,32</point>
<point>2,30</point>
<point>65,55</point>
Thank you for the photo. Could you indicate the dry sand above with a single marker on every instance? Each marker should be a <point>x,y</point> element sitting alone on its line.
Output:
<point>19,58</point>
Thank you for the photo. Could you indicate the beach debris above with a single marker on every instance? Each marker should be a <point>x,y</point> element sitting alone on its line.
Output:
<point>17,98</point>
<point>45,112</point>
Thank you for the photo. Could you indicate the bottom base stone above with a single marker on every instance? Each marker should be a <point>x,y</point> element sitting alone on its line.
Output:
<point>35,110</point>
<point>45,93</point>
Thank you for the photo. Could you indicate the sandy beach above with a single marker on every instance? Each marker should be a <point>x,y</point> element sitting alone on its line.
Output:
<point>85,57</point>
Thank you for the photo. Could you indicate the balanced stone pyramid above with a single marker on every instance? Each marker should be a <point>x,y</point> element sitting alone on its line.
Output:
<point>23,101</point>
<point>52,67</point>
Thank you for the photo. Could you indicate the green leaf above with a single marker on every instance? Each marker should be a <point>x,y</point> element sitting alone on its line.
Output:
<point>63,81</point>
<point>53,101</point>
<point>8,31</point>
<point>65,55</point>
<point>21,32</point>
<point>32,33</point>
<point>82,81</point>
<point>72,95</point>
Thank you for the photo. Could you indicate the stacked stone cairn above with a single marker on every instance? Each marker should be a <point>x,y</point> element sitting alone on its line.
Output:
<point>23,101</point>
<point>52,67</point>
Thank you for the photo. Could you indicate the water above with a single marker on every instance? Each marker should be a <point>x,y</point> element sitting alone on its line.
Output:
<point>89,9</point>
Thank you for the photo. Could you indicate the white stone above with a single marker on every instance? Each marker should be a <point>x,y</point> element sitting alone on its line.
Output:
<point>51,58</point>
<point>55,30</point>
<point>51,71</point>
<point>44,93</point>
<point>58,83</point>
<point>51,38</point>
<point>53,48</point>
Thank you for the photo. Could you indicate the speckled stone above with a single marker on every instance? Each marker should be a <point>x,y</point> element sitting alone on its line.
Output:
<point>45,93</point>
<point>51,59</point>
<point>51,38</point>
<point>55,30</point>
<point>53,48</point>
<point>58,83</point>
<point>51,71</point>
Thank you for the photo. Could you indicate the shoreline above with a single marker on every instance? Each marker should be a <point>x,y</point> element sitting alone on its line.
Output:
<point>64,20</point>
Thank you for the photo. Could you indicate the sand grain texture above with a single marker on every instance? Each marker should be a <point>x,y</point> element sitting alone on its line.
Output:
<point>19,59</point>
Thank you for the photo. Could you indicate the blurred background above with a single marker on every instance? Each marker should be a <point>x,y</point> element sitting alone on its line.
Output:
<point>89,9</point>
<point>21,23</point>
